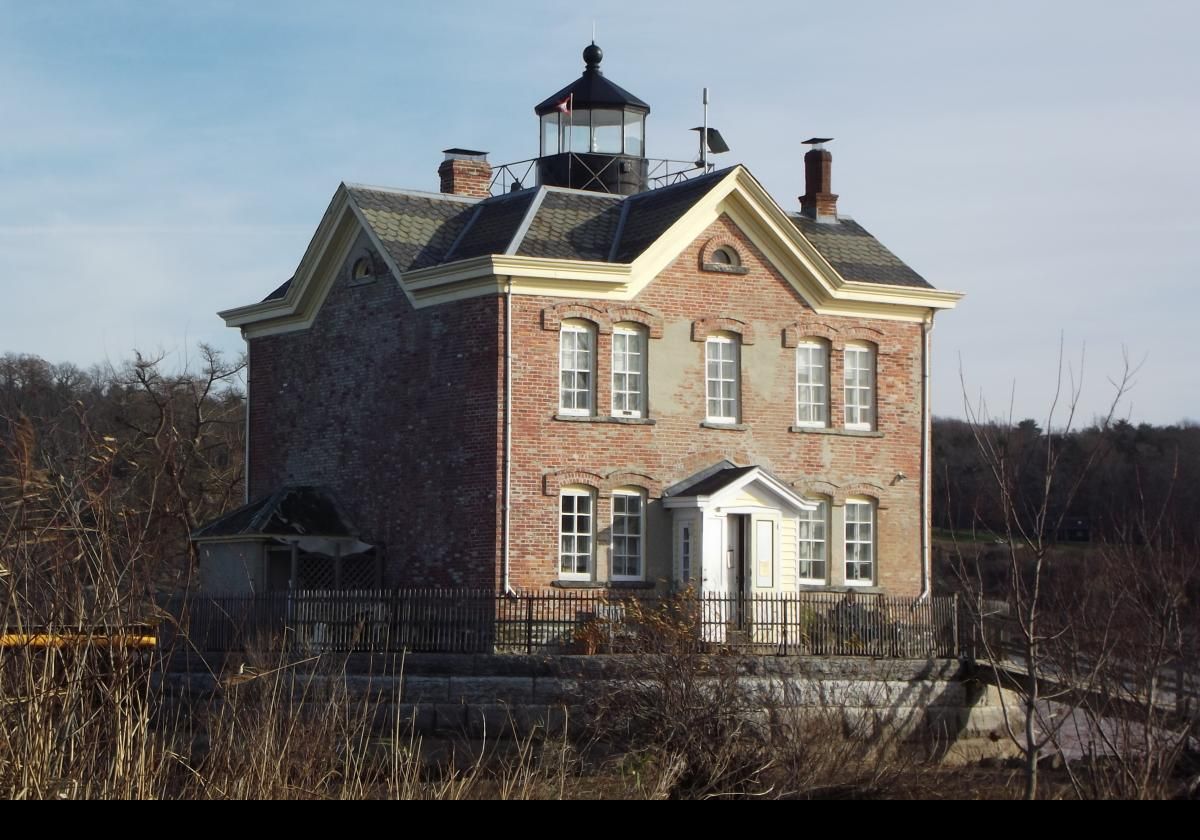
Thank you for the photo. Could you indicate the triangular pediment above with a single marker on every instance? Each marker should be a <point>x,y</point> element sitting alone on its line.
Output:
<point>739,487</point>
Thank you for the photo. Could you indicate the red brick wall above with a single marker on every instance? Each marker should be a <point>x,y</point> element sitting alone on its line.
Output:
<point>399,411</point>
<point>395,409</point>
<point>677,446</point>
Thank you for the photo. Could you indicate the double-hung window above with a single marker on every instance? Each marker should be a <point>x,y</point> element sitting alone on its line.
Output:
<point>628,529</point>
<point>812,384</point>
<point>721,378</point>
<point>812,549</point>
<point>860,542</point>
<point>575,534</point>
<point>629,372</point>
<point>860,386</point>
<point>576,366</point>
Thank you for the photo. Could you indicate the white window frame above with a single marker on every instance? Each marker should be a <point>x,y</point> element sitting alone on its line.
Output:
<point>621,522</point>
<point>632,368</point>
<point>814,377</point>
<point>569,333</point>
<point>859,383</point>
<point>575,534</point>
<point>813,547</point>
<point>722,342</point>
<point>860,540</point>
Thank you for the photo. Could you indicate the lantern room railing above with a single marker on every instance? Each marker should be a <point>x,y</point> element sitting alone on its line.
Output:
<point>523,174</point>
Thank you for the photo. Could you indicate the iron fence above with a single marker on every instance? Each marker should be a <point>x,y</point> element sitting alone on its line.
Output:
<point>482,621</point>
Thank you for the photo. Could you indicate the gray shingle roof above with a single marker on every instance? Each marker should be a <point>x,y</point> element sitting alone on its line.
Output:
<point>713,483</point>
<point>493,226</point>
<point>420,230</point>
<point>417,229</point>
<point>573,226</point>
<point>649,214</point>
<point>302,511</point>
<point>856,254</point>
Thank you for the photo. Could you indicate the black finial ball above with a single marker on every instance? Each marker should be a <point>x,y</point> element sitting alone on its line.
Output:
<point>592,55</point>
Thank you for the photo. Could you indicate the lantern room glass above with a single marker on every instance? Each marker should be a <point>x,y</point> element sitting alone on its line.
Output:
<point>551,144</point>
<point>605,131</point>
<point>635,132</point>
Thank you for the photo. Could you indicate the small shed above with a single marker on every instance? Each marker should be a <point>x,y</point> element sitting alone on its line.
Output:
<point>296,538</point>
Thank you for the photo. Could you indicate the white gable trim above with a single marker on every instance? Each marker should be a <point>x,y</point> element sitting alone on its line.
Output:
<point>728,493</point>
<point>738,194</point>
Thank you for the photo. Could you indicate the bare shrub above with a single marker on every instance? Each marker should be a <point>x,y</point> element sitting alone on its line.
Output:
<point>685,724</point>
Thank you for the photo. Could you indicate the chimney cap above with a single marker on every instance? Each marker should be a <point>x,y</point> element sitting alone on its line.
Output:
<point>463,154</point>
<point>817,141</point>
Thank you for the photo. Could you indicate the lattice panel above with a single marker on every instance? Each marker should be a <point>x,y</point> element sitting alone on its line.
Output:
<point>315,572</point>
<point>358,572</point>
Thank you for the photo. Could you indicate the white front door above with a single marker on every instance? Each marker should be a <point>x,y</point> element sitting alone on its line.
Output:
<point>736,572</point>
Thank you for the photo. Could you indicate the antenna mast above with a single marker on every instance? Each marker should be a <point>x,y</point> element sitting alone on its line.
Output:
<point>704,136</point>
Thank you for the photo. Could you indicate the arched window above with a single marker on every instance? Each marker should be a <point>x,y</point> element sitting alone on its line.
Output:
<point>577,368</point>
<point>813,544</point>
<point>812,383</point>
<point>722,378</point>
<point>860,541</point>
<point>628,534</point>
<point>576,533</point>
<point>629,371</point>
<point>860,386</point>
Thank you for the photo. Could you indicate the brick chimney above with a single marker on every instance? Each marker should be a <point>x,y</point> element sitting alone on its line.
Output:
<point>466,172</point>
<point>818,202</point>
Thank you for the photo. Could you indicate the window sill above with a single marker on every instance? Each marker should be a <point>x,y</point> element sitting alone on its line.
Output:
<point>623,421</point>
<point>725,268</point>
<point>826,430</point>
<point>576,584</point>
<point>732,427</point>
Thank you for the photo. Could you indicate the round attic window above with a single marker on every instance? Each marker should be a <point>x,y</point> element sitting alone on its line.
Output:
<point>361,269</point>
<point>725,256</point>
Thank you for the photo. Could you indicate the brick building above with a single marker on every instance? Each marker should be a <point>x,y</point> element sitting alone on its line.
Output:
<point>596,381</point>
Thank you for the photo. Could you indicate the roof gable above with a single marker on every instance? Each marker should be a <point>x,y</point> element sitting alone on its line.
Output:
<point>573,243</point>
<point>725,485</point>
<point>303,511</point>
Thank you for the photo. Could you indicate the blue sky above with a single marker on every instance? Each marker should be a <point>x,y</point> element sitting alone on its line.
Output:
<point>161,161</point>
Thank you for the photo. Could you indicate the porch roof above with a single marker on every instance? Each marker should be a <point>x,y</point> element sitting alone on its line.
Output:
<point>302,511</point>
<point>711,485</point>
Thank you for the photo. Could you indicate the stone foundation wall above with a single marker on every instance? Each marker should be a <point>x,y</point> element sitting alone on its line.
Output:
<point>936,702</point>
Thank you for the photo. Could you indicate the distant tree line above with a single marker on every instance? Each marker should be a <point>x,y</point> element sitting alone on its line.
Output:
<point>1136,483</point>
<point>152,449</point>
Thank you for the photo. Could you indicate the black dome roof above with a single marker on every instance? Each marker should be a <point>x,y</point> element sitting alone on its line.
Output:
<point>592,90</point>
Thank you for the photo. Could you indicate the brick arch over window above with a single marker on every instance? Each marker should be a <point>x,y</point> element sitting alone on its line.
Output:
<point>865,489</point>
<point>709,263</point>
<point>554,482</point>
<point>793,334</point>
<point>868,335</point>
<point>648,318</point>
<point>811,487</point>
<point>704,327</point>
<point>628,478</point>
<point>553,316</point>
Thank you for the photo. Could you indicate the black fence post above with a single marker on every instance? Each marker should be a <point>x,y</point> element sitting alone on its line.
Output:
<point>529,624</point>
